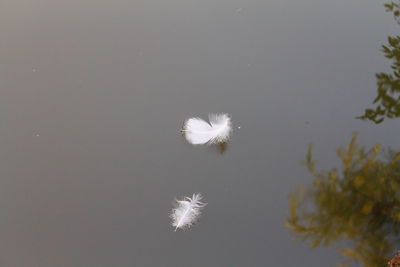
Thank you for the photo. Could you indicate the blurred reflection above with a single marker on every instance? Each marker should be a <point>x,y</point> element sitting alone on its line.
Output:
<point>358,204</point>
<point>388,92</point>
<point>222,147</point>
<point>395,261</point>
<point>219,148</point>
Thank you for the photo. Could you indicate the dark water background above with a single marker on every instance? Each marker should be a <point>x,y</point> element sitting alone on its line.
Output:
<point>92,97</point>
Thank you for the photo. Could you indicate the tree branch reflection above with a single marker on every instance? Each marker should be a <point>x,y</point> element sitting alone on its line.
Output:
<point>387,101</point>
<point>360,204</point>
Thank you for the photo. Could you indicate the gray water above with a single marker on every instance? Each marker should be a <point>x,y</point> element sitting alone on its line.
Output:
<point>92,97</point>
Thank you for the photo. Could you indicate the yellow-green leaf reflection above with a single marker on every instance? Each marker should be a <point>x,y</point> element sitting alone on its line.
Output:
<point>358,202</point>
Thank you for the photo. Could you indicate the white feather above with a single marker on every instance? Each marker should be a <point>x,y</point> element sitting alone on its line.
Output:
<point>197,131</point>
<point>187,211</point>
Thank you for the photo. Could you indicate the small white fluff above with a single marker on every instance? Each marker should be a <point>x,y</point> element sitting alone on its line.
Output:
<point>187,211</point>
<point>198,132</point>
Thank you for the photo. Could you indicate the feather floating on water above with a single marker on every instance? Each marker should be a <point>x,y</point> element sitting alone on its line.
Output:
<point>197,131</point>
<point>187,211</point>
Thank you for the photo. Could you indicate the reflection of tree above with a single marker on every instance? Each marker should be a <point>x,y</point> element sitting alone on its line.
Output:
<point>394,8</point>
<point>360,204</point>
<point>388,99</point>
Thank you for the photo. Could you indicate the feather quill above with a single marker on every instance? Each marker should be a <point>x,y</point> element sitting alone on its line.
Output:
<point>198,132</point>
<point>187,211</point>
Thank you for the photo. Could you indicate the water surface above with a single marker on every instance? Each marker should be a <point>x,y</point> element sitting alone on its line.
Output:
<point>92,97</point>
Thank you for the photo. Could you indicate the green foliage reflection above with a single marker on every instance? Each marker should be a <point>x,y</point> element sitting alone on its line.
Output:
<point>360,204</point>
<point>388,84</point>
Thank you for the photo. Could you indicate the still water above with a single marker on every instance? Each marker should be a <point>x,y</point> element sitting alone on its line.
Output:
<point>93,95</point>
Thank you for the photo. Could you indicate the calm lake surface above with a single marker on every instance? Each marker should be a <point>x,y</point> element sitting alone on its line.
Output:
<point>93,95</point>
